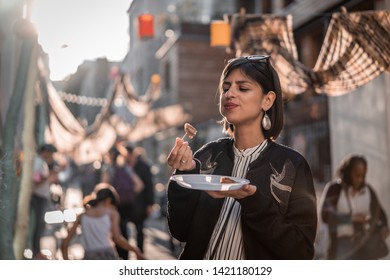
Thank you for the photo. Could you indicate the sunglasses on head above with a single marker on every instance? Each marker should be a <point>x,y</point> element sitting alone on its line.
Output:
<point>255,58</point>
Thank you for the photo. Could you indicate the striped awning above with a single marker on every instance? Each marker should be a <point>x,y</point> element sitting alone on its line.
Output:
<point>356,49</point>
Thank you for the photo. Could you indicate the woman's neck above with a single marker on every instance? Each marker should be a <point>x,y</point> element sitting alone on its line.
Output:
<point>245,139</point>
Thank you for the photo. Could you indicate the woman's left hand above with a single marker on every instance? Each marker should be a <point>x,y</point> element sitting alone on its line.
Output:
<point>244,191</point>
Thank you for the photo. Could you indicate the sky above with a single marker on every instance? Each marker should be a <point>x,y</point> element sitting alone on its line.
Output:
<point>72,31</point>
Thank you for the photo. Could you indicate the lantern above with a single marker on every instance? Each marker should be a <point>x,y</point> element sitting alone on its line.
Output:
<point>145,26</point>
<point>219,33</point>
<point>155,79</point>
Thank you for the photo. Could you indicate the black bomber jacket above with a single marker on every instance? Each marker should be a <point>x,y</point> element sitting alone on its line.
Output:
<point>278,222</point>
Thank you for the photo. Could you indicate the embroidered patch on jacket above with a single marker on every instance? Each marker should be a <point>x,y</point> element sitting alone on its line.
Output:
<point>208,164</point>
<point>280,184</point>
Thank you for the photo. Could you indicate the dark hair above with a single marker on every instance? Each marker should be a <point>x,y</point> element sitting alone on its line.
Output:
<point>129,147</point>
<point>103,191</point>
<point>47,148</point>
<point>262,72</point>
<point>344,170</point>
<point>89,201</point>
<point>114,152</point>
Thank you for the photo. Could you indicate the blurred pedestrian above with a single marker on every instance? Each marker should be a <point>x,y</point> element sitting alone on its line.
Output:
<point>353,213</point>
<point>100,227</point>
<point>88,177</point>
<point>143,203</point>
<point>272,217</point>
<point>43,177</point>
<point>128,184</point>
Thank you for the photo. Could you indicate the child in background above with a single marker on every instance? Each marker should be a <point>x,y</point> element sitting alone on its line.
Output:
<point>100,227</point>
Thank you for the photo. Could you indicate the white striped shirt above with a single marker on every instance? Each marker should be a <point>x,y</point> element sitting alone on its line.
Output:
<point>226,240</point>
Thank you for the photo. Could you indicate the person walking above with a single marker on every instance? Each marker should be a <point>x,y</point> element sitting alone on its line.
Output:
<point>355,218</point>
<point>272,217</point>
<point>128,185</point>
<point>42,178</point>
<point>143,203</point>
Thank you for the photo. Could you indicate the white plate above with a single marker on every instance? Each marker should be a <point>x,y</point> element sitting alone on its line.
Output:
<point>208,182</point>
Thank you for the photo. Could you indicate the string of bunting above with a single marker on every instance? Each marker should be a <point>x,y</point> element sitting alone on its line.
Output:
<point>82,100</point>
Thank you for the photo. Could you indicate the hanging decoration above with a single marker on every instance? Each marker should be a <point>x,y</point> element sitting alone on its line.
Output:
<point>88,144</point>
<point>219,33</point>
<point>145,26</point>
<point>272,35</point>
<point>355,51</point>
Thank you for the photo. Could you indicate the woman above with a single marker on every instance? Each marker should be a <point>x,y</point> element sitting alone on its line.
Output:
<point>100,228</point>
<point>352,212</point>
<point>273,217</point>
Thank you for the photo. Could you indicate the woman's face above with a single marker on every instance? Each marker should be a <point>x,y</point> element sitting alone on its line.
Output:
<point>48,157</point>
<point>241,100</point>
<point>358,175</point>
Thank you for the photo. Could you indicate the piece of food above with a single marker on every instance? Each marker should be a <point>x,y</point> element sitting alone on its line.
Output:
<point>189,130</point>
<point>226,180</point>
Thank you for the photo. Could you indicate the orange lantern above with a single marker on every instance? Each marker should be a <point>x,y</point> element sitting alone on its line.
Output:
<point>155,79</point>
<point>219,33</point>
<point>145,26</point>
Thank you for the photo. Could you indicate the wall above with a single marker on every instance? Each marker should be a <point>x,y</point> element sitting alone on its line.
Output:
<point>10,12</point>
<point>199,71</point>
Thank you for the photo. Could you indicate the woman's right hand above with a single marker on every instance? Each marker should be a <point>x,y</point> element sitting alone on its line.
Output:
<point>181,155</point>
<point>243,192</point>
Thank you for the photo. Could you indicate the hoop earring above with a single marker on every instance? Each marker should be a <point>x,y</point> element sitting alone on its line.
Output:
<point>266,122</point>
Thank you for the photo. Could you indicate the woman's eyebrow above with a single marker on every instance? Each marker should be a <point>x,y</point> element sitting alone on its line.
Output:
<point>237,82</point>
<point>243,82</point>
